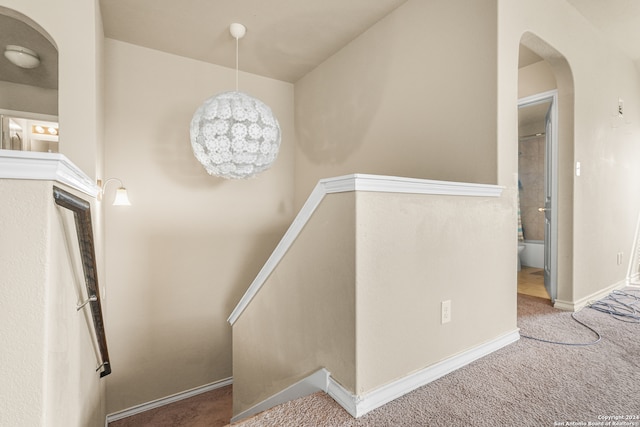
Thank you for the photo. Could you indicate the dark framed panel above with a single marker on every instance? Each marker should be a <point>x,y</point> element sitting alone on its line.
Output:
<point>82,214</point>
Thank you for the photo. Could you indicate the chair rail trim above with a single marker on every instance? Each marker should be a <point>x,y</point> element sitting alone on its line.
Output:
<point>348,183</point>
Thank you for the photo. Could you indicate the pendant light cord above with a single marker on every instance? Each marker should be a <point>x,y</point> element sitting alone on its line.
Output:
<point>237,41</point>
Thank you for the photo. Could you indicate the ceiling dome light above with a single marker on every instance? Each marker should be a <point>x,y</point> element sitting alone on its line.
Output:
<point>21,56</point>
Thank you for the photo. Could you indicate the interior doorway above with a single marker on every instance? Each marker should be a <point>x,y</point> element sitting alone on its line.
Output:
<point>537,184</point>
<point>543,69</point>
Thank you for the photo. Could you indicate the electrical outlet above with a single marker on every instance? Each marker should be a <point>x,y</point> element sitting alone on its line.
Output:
<point>446,311</point>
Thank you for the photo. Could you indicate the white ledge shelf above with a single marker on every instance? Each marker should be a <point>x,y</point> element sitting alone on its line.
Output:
<point>356,182</point>
<point>45,167</point>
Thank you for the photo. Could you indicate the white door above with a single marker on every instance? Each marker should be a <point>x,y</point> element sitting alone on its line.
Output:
<point>549,209</point>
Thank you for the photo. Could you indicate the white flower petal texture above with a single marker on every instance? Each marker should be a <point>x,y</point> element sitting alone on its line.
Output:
<point>235,136</point>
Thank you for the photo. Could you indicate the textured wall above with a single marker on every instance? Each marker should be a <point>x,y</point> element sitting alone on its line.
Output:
<point>413,252</point>
<point>48,361</point>
<point>414,96</point>
<point>24,236</point>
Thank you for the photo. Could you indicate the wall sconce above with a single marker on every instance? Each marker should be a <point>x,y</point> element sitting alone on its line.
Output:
<point>121,199</point>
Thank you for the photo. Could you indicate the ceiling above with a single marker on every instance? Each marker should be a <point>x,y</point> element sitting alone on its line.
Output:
<point>619,20</point>
<point>527,57</point>
<point>285,38</point>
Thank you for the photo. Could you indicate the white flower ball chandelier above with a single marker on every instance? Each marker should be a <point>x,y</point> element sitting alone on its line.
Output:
<point>234,135</point>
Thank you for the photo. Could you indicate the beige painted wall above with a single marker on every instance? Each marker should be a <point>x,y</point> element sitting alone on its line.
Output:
<point>535,78</point>
<point>23,270</point>
<point>179,259</point>
<point>303,318</point>
<point>48,362</point>
<point>413,252</point>
<point>32,99</point>
<point>598,210</point>
<point>415,95</point>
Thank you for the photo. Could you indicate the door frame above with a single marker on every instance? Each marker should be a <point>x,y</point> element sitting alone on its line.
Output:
<point>551,177</point>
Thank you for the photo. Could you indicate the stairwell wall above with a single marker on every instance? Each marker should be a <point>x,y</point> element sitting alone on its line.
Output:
<point>179,259</point>
<point>303,318</point>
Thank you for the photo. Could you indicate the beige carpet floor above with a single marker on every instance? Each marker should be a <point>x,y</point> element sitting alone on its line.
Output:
<point>528,383</point>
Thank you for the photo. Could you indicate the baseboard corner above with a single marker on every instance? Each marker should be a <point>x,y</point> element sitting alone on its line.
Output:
<point>359,405</point>
<point>579,304</point>
<point>317,381</point>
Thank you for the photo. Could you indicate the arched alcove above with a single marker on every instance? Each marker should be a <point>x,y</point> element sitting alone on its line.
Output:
<point>28,96</point>
<point>565,158</point>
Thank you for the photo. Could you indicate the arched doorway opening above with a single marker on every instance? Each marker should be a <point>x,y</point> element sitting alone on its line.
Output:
<point>547,70</point>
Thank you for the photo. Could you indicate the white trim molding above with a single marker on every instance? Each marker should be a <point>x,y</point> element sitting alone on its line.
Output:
<point>318,381</point>
<point>356,182</point>
<point>357,406</point>
<point>138,409</point>
<point>321,380</point>
<point>589,299</point>
<point>32,165</point>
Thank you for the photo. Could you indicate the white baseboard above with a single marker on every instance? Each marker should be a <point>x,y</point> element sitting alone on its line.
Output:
<point>360,405</point>
<point>321,381</point>
<point>318,381</point>
<point>589,299</point>
<point>134,410</point>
